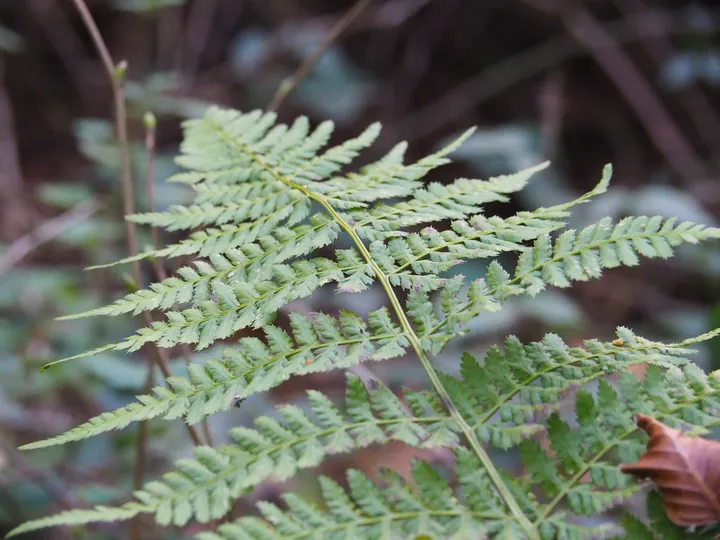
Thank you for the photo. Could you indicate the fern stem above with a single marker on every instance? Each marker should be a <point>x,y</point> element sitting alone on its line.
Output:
<point>410,334</point>
<point>414,340</point>
<point>116,75</point>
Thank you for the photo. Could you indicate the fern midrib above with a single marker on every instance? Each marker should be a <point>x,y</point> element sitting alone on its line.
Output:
<point>603,452</point>
<point>484,458</point>
<point>555,259</point>
<point>394,516</point>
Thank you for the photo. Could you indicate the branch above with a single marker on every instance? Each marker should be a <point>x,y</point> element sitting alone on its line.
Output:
<point>288,85</point>
<point>116,74</point>
<point>502,75</point>
<point>47,231</point>
<point>631,83</point>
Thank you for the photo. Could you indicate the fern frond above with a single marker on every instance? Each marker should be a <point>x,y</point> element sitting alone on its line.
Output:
<point>384,179</point>
<point>250,206</point>
<point>587,482</point>
<point>222,307</point>
<point>437,202</point>
<point>397,511</point>
<point>99,514</point>
<point>317,344</point>
<point>499,398</point>
<point>267,197</point>
<point>575,256</point>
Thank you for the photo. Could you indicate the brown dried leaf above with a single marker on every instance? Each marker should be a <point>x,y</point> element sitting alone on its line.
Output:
<point>685,469</point>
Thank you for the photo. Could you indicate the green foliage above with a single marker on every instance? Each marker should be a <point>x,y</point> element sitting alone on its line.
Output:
<point>267,199</point>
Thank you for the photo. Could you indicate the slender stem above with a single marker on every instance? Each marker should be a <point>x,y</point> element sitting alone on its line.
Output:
<point>47,230</point>
<point>116,75</point>
<point>467,430</point>
<point>414,340</point>
<point>150,127</point>
<point>291,83</point>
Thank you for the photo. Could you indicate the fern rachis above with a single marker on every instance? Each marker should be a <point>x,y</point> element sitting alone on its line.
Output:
<point>256,186</point>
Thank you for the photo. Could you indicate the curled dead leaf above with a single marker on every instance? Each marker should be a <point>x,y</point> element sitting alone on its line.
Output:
<point>685,469</point>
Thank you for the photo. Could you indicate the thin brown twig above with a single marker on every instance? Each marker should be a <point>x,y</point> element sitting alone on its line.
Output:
<point>46,231</point>
<point>292,82</point>
<point>142,438</point>
<point>502,75</point>
<point>691,98</point>
<point>150,138</point>
<point>116,75</point>
<point>141,454</point>
<point>150,128</point>
<point>199,27</point>
<point>15,215</point>
<point>631,83</point>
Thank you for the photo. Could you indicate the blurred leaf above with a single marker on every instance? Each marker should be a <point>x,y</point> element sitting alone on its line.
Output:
<point>146,6</point>
<point>248,50</point>
<point>118,373</point>
<point>668,202</point>
<point>63,195</point>
<point>10,41</point>
<point>155,94</point>
<point>690,67</point>
<point>46,282</point>
<point>92,231</point>
<point>96,140</point>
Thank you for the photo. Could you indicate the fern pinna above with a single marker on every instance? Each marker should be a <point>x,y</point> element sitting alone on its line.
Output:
<point>267,197</point>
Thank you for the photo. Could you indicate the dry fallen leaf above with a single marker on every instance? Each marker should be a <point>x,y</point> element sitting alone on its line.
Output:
<point>685,469</point>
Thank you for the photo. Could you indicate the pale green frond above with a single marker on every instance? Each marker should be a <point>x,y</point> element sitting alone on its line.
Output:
<point>180,217</point>
<point>333,159</point>
<point>574,256</point>
<point>99,514</point>
<point>384,179</point>
<point>437,202</point>
<point>366,511</point>
<point>318,343</point>
<point>268,198</point>
<point>219,239</point>
<point>251,262</point>
<point>204,487</point>
<point>234,305</point>
<point>581,478</point>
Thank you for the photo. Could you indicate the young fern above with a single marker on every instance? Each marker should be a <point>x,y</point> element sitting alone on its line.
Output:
<point>268,198</point>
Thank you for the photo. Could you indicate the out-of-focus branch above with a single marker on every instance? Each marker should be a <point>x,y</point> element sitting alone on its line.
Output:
<point>47,231</point>
<point>504,74</point>
<point>288,85</point>
<point>116,75</point>
<point>691,98</point>
<point>631,83</point>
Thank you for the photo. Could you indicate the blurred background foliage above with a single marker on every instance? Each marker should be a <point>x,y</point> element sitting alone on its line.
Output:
<point>631,82</point>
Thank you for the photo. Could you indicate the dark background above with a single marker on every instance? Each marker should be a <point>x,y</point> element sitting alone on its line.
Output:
<point>632,82</point>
